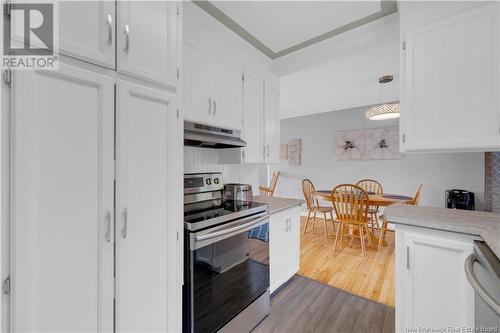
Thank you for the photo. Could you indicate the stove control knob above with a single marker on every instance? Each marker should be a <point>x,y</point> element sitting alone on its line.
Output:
<point>216,181</point>
<point>208,181</point>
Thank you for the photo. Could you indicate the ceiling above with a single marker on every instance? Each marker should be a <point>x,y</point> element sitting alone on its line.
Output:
<point>278,28</point>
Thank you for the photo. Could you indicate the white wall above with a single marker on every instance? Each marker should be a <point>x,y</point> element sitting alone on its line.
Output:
<point>437,172</point>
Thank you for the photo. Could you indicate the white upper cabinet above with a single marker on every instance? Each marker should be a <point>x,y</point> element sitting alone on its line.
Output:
<point>213,87</point>
<point>253,114</point>
<point>62,203</point>
<point>197,103</point>
<point>271,123</point>
<point>227,103</point>
<point>146,40</point>
<point>450,97</point>
<point>87,31</point>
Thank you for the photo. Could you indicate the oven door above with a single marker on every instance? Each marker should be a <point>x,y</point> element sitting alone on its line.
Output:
<point>228,270</point>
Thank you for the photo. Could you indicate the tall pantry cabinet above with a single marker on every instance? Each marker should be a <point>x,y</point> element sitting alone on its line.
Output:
<point>96,188</point>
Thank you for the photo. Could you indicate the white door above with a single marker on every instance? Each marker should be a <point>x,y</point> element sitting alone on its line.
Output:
<point>434,290</point>
<point>62,201</point>
<point>272,123</point>
<point>197,102</point>
<point>451,99</point>
<point>87,31</point>
<point>227,91</point>
<point>253,122</point>
<point>277,229</point>
<point>293,242</point>
<point>146,46</point>
<point>144,231</point>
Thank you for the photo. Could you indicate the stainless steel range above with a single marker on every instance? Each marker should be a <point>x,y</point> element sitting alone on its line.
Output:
<point>226,259</point>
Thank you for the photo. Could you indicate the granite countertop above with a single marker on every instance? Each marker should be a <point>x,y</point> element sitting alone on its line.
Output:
<point>482,224</point>
<point>277,204</point>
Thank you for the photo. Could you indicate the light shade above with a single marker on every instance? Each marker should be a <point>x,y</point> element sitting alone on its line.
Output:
<point>383,111</point>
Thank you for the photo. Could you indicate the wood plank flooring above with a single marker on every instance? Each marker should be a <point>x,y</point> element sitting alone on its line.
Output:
<point>371,276</point>
<point>305,305</point>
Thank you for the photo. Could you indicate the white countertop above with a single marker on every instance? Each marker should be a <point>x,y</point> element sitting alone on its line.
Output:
<point>277,204</point>
<point>485,225</point>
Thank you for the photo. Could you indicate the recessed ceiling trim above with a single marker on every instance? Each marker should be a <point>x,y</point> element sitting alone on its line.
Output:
<point>387,7</point>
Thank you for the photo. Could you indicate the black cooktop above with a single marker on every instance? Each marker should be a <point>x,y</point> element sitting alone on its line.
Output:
<point>229,210</point>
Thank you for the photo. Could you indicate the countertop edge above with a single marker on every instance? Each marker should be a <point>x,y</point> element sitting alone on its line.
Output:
<point>277,204</point>
<point>481,224</point>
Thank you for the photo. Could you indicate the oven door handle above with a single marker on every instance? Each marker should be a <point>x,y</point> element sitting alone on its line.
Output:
<point>230,230</point>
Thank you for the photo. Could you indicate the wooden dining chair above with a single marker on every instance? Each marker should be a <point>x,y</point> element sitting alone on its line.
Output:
<point>351,204</point>
<point>313,206</point>
<point>269,191</point>
<point>372,187</point>
<point>413,202</point>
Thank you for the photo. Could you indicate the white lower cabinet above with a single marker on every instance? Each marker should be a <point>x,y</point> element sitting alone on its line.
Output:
<point>432,290</point>
<point>71,271</point>
<point>284,246</point>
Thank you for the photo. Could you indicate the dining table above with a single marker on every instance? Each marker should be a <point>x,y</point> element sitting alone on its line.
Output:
<point>374,199</point>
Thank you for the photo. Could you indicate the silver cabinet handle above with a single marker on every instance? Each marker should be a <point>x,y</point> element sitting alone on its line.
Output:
<point>126,31</point>
<point>209,106</point>
<point>469,273</point>
<point>267,154</point>
<point>125,222</point>
<point>107,235</point>
<point>109,22</point>
<point>407,257</point>
<point>215,107</point>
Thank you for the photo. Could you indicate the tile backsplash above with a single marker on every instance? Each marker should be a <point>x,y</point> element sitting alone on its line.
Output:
<point>492,182</point>
<point>207,160</point>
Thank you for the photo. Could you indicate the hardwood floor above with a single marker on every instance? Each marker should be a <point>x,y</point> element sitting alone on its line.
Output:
<point>371,276</point>
<point>304,305</point>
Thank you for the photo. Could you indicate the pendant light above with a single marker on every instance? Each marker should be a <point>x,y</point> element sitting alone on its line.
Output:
<point>386,110</point>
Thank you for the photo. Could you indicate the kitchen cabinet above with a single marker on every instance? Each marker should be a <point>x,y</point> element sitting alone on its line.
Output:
<point>147,37</point>
<point>144,233</point>
<point>213,88</point>
<point>68,182</point>
<point>284,246</point>
<point>62,201</point>
<point>271,124</point>
<point>87,31</point>
<point>450,96</point>
<point>431,287</point>
<point>143,33</point>
<point>253,118</point>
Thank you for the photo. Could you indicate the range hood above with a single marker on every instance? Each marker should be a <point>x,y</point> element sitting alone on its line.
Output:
<point>206,136</point>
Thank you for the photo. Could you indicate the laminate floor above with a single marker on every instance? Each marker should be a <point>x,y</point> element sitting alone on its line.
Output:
<point>305,305</point>
<point>371,276</point>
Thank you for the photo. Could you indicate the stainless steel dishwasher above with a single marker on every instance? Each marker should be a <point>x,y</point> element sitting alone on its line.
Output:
<point>482,269</point>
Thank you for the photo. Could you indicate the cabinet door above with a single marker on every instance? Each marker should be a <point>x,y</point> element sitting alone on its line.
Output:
<point>197,103</point>
<point>145,233</point>
<point>272,124</point>
<point>147,40</point>
<point>451,98</point>
<point>227,85</point>
<point>432,289</point>
<point>62,201</point>
<point>253,122</point>
<point>87,31</point>
<point>277,229</point>
<point>293,242</point>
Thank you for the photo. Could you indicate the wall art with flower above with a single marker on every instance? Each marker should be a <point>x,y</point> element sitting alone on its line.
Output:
<point>367,144</point>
